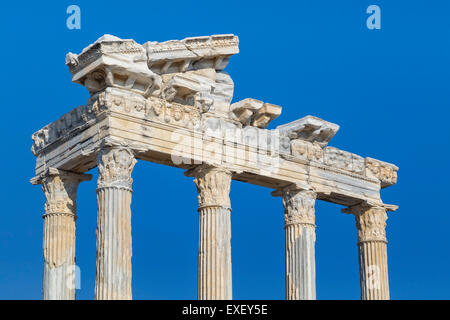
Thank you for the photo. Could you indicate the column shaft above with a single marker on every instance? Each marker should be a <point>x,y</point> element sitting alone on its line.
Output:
<point>300,263</point>
<point>372,249</point>
<point>373,270</point>
<point>214,254</point>
<point>300,245</point>
<point>60,189</point>
<point>59,257</point>
<point>114,245</point>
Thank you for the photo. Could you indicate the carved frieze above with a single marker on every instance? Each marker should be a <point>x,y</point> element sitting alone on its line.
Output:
<point>329,156</point>
<point>306,150</point>
<point>202,102</point>
<point>308,139</point>
<point>152,108</point>
<point>343,160</point>
<point>191,53</point>
<point>173,113</point>
<point>71,121</point>
<point>383,171</point>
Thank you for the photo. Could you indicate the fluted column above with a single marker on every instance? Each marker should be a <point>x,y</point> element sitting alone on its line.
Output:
<point>60,189</point>
<point>214,253</point>
<point>113,279</point>
<point>372,248</point>
<point>300,235</point>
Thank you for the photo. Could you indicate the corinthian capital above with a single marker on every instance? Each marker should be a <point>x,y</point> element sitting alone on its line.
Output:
<point>213,185</point>
<point>115,165</point>
<point>60,189</point>
<point>299,207</point>
<point>370,222</point>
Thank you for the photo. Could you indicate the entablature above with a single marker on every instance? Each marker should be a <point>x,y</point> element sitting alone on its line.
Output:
<point>184,117</point>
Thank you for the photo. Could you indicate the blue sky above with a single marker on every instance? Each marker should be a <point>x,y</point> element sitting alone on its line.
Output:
<point>388,89</point>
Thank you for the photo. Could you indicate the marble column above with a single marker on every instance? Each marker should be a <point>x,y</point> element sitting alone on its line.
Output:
<point>113,279</point>
<point>300,235</point>
<point>60,189</point>
<point>372,248</point>
<point>214,253</point>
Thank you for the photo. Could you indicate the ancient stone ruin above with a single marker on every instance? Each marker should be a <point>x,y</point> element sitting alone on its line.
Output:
<point>171,103</point>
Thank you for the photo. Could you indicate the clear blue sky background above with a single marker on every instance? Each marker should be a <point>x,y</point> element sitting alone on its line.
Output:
<point>388,89</point>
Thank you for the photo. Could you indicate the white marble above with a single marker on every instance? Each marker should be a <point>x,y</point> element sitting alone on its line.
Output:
<point>172,103</point>
<point>372,250</point>
<point>60,189</point>
<point>300,244</point>
<point>114,245</point>
<point>214,253</point>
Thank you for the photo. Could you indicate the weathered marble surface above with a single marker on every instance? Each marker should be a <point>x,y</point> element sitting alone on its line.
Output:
<point>172,103</point>
<point>300,240</point>
<point>60,189</point>
<point>157,129</point>
<point>372,248</point>
<point>214,250</point>
<point>188,92</point>
<point>311,129</point>
<point>114,250</point>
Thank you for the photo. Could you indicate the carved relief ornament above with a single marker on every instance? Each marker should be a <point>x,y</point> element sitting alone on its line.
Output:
<point>115,165</point>
<point>370,222</point>
<point>383,171</point>
<point>299,207</point>
<point>213,186</point>
<point>60,189</point>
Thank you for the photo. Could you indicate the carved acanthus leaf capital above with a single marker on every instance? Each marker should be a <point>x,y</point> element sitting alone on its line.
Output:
<point>299,207</point>
<point>115,165</point>
<point>213,185</point>
<point>370,222</point>
<point>60,189</point>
